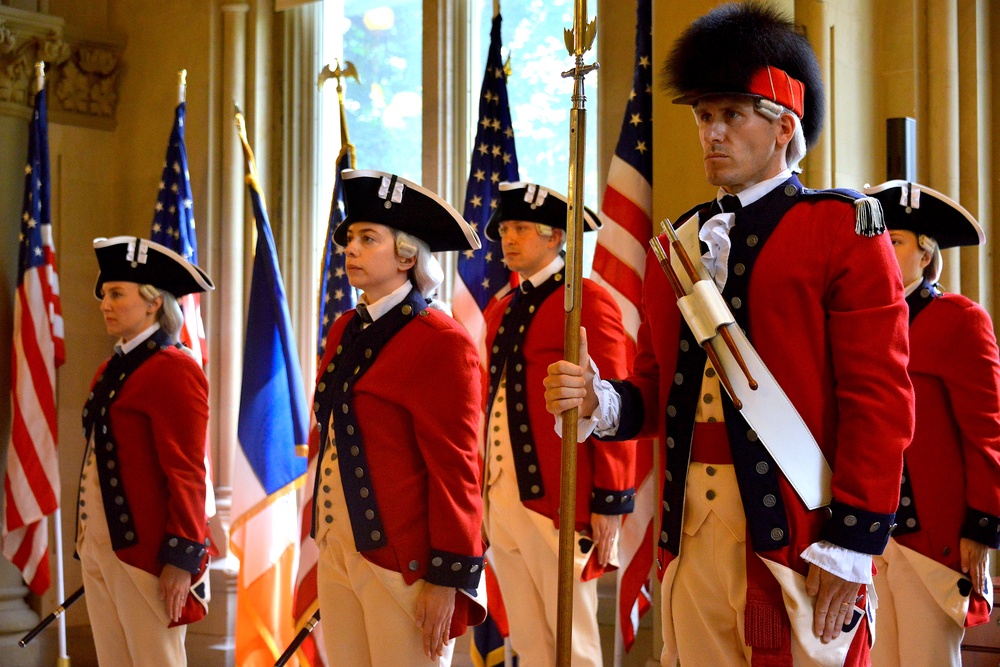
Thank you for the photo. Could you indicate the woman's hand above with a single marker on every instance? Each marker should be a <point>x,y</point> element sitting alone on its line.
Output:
<point>974,563</point>
<point>175,584</point>
<point>435,606</point>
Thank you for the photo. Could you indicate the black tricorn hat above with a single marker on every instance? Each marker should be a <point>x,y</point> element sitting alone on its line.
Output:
<point>534,203</point>
<point>135,260</point>
<point>923,210</point>
<point>387,199</point>
<point>748,48</point>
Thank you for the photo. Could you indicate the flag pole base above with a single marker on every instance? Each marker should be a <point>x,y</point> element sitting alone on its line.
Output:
<point>62,662</point>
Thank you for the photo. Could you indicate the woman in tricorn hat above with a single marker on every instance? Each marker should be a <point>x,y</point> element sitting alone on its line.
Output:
<point>933,579</point>
<point>398,507</point>
<point>142,533</point>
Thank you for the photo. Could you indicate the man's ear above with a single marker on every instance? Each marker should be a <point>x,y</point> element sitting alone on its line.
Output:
<point>786,129</point>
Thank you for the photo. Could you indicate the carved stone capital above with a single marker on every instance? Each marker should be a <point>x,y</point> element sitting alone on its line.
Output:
<point>82,69</point>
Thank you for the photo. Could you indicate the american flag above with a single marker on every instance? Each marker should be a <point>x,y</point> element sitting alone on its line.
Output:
<point>618,265</point>
<point>31,484</point>
<point>483,274</point>
<point>494,160</point>
<point>336,296</point>
<point>173,226</point>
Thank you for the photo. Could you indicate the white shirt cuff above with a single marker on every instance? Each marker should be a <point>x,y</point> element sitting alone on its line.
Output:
<point>846,564</point>
<point>604,421</point>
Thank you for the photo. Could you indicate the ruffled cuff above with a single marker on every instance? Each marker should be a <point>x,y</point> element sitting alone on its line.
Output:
<point>846,564</point>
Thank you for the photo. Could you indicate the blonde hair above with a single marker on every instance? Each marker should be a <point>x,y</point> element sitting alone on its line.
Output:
<point>169,315</point>
<point>932,272</point>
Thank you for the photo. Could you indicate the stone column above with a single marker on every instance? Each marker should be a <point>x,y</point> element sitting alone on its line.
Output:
<point>813,15</point>
<point>230,251</point>
<point>942,115</point>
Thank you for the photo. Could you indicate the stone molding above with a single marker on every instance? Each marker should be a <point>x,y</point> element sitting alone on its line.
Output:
<point>83,69</point>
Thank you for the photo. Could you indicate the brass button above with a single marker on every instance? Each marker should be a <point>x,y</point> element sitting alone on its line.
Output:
<point>710,471</point>
<point>769,500</point>
<point>752,240</point>
<point>739,269</point>
<point>777,534</point>
<point>790,190</point>
<point>678,378</point>
<point>761,467</point>
<point>406,311</point>
<point>850,520</point>
<point>737,302</point>
<point>710,494</point>
<point>414,566</point>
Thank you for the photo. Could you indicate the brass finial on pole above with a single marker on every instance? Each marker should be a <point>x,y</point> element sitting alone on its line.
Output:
<point>578,42</point>
<point>39,75</point>
<point>340,74</point>
<point>241,130</point>
<point>182,84</point>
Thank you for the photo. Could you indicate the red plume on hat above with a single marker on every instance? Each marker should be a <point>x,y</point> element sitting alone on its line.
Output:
<point>748,48</point>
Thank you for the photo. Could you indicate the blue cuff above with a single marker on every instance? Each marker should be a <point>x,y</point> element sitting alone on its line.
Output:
<point>454,570</point>
<point>857,529</point>
<point>632,414</point>
<point>982,527</point>
<point>181,552</point>
<point>604,501</point>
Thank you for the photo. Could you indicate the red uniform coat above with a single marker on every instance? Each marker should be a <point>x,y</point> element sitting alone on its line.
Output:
<point>418,412</point>
<point>954,459</point>
<point>831,327</point>
<point>158,422</point>
<point>607,467</point>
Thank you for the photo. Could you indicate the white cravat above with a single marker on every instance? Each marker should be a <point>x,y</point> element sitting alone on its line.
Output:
<point>715,234</point>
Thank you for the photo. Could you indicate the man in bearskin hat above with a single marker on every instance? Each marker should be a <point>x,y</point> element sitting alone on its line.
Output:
<point>523,455</point>
<point>752,575</point>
